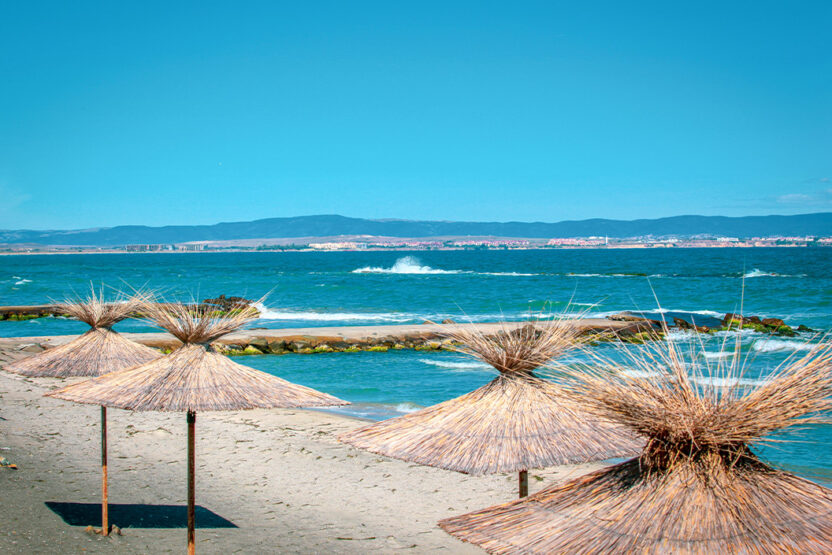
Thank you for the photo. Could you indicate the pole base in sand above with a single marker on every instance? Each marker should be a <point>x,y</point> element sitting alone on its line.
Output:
<point>524,483</point>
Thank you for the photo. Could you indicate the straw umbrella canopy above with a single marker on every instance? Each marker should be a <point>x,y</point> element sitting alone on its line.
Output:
<point>516,422</point>
<point>98,351</point>
<point>194,378</point>
<point>698,486</point>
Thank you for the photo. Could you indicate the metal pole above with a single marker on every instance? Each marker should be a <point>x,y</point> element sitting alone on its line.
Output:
<point>524,483</point>
<point>105,524</point>
<point>191,485</point>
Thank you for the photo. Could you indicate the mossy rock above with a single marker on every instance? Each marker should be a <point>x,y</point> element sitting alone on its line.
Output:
<point>352,349</point>
<point>378,349</point>
<point>261,343</point>
<point>323,349</point>
<point>399,347</point>
<point>635,339</point>
<point>734,325</point>
<point>642,337</point>
<point>805,329</point>
<point>248,350</point>
<point>786,330</point>
<point>21,317</point>
<point>305,351</point>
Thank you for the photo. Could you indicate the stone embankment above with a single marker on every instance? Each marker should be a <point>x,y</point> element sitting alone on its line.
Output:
<point>628,327</point>
<point>424,337</point>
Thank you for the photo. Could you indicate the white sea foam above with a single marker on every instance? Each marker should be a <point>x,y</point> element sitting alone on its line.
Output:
<point>267,313</point>
<point>681,310</point>
<point>712,381</point>
<point>407,408</point>
<point>404,265</point>
<point>455,365</point>
<point>514,274</point>
<point>573,274</point>
<point>412,265</point>
<point>756,272</point>
<point>679,335</point>
<point>640,374</point>
<point>744,333</point>
<point>22,281</point>
<point>774,345</point>
<point>717,355</point>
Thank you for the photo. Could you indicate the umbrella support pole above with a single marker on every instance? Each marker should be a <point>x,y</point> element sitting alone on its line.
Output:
<point>524,483</point>
<point>191,483</point>
<point>105,524</point>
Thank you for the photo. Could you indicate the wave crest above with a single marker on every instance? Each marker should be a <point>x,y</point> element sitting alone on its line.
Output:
<point>774,345</point>
<point>404,265</point>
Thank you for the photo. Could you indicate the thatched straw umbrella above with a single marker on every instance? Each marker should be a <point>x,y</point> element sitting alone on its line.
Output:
<point>98,351</point>
<point>194,378</point>
<point>697,487</point>
<point>516,422</point>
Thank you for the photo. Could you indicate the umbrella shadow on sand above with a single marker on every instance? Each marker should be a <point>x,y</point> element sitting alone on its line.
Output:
<point>136,515</point>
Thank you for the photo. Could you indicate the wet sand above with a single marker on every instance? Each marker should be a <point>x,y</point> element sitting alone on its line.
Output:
<point>280,476</point>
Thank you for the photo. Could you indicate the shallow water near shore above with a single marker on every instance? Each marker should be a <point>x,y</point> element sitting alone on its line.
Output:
<point>385,385</point>
<point>366,288</point>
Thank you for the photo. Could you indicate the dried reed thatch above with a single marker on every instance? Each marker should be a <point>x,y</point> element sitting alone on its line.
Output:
<point>194,378</point>
<point>98,351</point>
<point>516,422</point>
<point>697,487</point>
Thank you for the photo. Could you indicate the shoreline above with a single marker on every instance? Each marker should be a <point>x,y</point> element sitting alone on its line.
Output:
<point>280,476</point>
<point>634,246</point>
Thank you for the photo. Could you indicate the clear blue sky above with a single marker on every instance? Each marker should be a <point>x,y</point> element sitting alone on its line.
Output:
<point>175,113</point>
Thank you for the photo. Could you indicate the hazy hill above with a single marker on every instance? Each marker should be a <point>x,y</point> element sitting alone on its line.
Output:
<point>327,226</point>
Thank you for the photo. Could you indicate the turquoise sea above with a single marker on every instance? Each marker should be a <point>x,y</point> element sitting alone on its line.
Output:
<point>367,288</point>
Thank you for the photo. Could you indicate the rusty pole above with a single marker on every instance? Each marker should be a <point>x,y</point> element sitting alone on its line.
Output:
<point>524,483</point>
<point>191,483</point>
<point>105,525</point>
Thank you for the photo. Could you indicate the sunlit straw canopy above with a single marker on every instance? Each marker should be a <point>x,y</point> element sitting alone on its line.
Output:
<point>98,351</point>
<point>697,487</point>
<point>194,377</point>
<point>515,422</point>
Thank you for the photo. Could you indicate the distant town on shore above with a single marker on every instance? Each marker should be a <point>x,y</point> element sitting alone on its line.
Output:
<point>382,244</point>
<point>339,233</point>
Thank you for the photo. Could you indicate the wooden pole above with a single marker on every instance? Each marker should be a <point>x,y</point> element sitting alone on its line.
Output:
<point>524,483</point>
<point>191,483</point>
<point>105,524</point>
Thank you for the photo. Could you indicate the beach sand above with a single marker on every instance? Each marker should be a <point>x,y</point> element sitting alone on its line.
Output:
<point>280,476</point>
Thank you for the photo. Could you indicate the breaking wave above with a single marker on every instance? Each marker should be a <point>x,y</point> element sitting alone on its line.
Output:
<point>405,265</point>
<point>774,345</point>
<point>717,355</point>
<point>455,365</point>
<point>711,381</point>
<point>410,265</point>
<point>756,272</point>
<point>267,313</point>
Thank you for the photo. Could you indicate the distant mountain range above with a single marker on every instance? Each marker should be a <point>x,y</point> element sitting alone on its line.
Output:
<point>333,226</point>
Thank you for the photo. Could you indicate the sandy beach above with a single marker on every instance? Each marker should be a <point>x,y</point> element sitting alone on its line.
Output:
<point>280,476</point>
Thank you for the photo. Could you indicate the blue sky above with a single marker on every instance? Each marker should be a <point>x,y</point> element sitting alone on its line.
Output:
<point>175,113</point>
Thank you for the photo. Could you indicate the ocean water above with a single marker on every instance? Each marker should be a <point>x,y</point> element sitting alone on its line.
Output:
<point>368,288</point>
<point>358,288</point>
